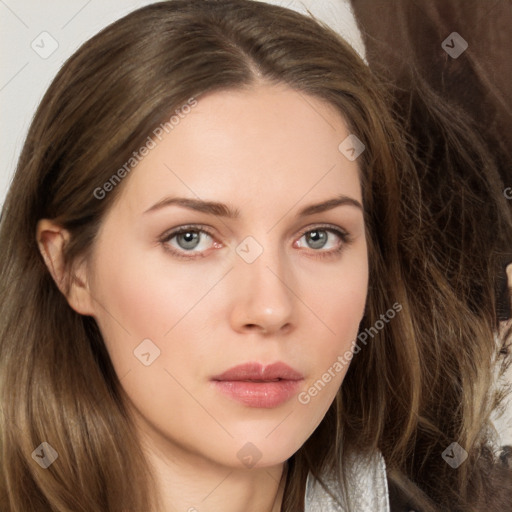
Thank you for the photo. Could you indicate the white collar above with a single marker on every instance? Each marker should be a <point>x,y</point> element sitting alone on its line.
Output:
<point>367,488</point>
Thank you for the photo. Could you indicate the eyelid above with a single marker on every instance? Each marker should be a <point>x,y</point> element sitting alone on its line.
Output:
<point>327,227</point>
<point>186,227</point>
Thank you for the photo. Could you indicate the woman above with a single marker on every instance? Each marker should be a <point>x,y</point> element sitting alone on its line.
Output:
<point>217,287</point>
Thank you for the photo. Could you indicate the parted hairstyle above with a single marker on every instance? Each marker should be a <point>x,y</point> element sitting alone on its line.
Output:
<point>425,382</point>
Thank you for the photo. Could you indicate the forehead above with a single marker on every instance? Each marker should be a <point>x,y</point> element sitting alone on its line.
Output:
<point>253,145</point>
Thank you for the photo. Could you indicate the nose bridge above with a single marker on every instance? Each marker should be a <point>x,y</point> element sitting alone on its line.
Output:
<point>264,297</point>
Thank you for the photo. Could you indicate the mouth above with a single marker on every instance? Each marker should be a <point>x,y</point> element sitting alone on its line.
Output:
<point>258,386</point>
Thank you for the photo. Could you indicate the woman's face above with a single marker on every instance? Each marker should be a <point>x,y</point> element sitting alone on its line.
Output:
<point>280,279</point>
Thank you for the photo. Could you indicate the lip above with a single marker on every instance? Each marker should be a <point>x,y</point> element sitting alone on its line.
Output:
<point>259,386</point>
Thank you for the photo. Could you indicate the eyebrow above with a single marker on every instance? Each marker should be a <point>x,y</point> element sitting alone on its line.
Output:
<point>223,210</point>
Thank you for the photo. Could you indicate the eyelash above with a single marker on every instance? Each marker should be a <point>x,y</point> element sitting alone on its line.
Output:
<point>166,238</point>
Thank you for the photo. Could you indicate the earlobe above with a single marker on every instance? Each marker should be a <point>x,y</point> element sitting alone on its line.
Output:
<point>52,239</point>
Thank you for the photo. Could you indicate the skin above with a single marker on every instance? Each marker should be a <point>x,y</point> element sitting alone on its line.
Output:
<point>268,152</point>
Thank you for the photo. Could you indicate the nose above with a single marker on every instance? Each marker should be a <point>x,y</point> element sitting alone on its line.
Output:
<point>263,300</point>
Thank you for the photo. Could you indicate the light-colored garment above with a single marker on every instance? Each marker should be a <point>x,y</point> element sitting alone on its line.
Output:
<point>367,488</point>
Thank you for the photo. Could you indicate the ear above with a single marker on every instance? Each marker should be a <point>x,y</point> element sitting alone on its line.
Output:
<point>52,240</point>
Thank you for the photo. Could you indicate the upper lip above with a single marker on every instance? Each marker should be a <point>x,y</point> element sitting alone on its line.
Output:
<point>259,372</point>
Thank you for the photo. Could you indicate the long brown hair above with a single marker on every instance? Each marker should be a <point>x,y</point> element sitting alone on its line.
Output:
<point>458,117</point>
<point>421,385</point>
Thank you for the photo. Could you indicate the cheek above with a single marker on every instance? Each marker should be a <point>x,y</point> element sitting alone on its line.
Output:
<point>339,305</point>
<point>149,305</point>
<point>340,302</point>
<point>138,301</point>
<point>347,304</point>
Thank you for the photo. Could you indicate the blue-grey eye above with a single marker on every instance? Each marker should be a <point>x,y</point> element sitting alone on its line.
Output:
<point>188,240</point>
<point>316,239</point>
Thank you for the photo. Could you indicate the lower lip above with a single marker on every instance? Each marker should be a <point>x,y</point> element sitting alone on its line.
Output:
<point>265,395</point>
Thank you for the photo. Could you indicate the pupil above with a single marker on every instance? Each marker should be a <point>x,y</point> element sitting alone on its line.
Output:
<point>318,239</point>
<point>189,239</point>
